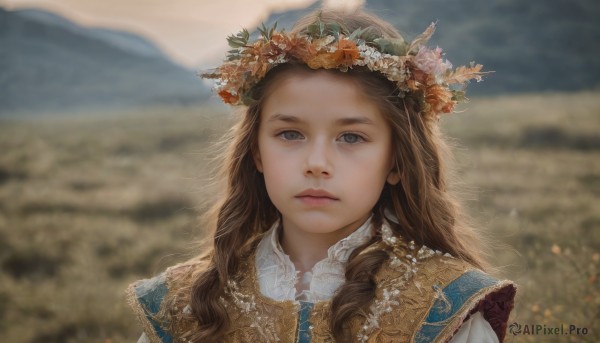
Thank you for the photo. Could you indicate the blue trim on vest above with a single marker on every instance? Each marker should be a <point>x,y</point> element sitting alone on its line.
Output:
<point>454,296</point>
<point>150,294</point>
<point>303,333</point>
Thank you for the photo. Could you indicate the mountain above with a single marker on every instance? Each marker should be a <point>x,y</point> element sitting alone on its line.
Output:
<point>532,46</point>
<point>49,64</point>
<point>121,39</point>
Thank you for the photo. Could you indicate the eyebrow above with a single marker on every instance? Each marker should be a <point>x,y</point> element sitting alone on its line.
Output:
<point>342,121</point>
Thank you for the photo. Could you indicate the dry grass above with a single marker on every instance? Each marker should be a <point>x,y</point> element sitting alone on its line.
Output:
<point>89,205</point>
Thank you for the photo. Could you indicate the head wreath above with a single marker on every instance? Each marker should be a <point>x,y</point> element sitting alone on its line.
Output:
<point>413,67</point>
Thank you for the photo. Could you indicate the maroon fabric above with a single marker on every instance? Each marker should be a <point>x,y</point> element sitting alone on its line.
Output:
<point>496,308</point>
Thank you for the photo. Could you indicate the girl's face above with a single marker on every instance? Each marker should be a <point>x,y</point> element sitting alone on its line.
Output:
<point>325,152</point>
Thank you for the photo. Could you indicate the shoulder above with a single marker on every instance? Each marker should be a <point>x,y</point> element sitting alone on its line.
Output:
<point>463,295</point>
<point>443,292</point>
<point>145,298</point>
<point>149,298</point>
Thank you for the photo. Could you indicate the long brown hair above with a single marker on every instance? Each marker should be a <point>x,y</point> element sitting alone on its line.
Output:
<point>424,210</point>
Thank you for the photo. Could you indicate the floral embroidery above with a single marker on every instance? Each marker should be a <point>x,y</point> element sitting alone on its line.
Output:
<point>247,305</point>
<point>407,266</point>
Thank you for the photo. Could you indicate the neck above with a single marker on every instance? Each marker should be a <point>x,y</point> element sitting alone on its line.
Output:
<point>305,249</point>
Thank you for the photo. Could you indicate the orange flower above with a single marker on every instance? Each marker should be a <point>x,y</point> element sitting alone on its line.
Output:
<point>323,60</point>
<point>260,69</point>
<point>417,79</point>
<point>419,76</point>
<point>302,49</point>
<point>228,98</point>
<point>281,41</point>
<point>439,98</point>
<point>412,84</point>
<point>346,53</point>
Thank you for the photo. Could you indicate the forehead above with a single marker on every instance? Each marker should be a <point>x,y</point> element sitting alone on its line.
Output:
<point>318,96</point>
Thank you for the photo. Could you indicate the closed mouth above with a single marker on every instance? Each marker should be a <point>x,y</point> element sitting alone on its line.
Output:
<point>316,193</point>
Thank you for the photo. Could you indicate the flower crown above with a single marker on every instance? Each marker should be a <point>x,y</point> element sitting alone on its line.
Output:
<point>413,67</point>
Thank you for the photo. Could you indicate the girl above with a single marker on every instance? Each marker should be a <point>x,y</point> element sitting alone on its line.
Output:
<point>336,223</point>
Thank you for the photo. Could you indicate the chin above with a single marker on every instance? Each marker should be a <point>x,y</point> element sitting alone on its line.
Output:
<point>322,224</point>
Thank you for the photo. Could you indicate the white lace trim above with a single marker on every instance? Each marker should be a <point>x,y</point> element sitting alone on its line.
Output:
<point>277,275</point>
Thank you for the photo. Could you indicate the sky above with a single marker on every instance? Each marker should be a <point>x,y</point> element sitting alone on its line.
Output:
<point>190,32</point>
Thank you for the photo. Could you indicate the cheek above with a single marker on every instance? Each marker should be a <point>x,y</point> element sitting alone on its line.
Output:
<point>378,159</point>
<point>275,165</point>
<point>274,158</point>
<point>368,173</point>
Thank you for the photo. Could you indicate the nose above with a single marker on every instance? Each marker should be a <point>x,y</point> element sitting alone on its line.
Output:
<point>318,159</point>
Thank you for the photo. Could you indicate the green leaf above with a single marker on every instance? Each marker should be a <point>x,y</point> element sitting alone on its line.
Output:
<point>319,29</point>
<point>267,33</point>
<point>458,96</point>
<point>210,75</point>
<point>239,40</point>
<point>334,29</point>
<point>313,29</point>
<point>369,35</point>
<point>392,46</point>
<point>356,34</point>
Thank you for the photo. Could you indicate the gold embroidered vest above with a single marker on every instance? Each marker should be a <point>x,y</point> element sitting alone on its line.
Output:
<point>421,296</point>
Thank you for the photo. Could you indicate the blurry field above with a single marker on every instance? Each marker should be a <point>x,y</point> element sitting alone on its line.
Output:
<point>89,205</point>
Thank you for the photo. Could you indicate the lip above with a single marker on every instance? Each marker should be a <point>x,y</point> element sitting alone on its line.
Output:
<point>316,197</point>
<point>316,193</point>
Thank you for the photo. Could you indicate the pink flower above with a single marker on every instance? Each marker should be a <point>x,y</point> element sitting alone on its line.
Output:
<point>431,62</point>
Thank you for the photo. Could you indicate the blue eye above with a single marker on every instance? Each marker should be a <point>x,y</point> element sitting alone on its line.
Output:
<point>290,135</point>
<point>351,138</point>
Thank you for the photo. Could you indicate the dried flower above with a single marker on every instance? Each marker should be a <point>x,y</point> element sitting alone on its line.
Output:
<point>430,62</point>
<point>228,98</point>
<point>346,53</point>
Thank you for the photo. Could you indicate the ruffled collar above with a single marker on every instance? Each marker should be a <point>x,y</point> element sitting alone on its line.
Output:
<point>279,280</point>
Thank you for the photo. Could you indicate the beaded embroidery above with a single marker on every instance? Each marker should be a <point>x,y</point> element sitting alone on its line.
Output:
<point>406,267</point>
<point>247,305</point>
